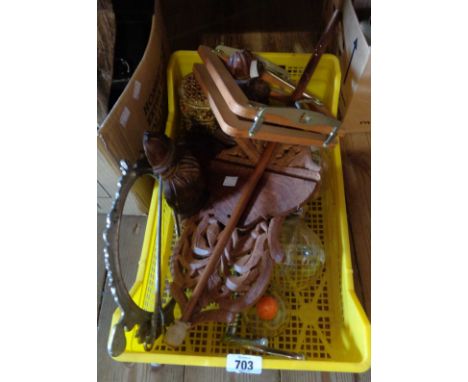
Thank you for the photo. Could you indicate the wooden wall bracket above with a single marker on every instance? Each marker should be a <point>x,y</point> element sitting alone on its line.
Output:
<point>239,104</point>
<point>236,127</point>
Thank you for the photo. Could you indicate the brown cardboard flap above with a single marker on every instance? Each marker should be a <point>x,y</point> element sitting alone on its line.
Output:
<point>358,115</point>
<point>355,65</point>
<point>142,106</point>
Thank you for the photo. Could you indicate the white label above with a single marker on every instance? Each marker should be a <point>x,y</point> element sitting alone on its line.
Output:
<point>124,116</point>
<point>230,181</point>
<point>136,89</point>
<point>254,69</point>
<point>241,363</point>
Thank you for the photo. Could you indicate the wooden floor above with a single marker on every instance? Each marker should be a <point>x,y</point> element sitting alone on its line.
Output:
<point>356,168</point>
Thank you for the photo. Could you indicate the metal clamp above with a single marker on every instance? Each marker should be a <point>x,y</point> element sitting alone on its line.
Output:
<point>300,103</point>
<point>331,136</point>
<point>131,313</point>
<point>314,117</point>
<point>257,122</point>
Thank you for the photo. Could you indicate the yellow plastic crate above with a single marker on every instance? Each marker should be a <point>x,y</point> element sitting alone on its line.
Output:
<point>327,323</point>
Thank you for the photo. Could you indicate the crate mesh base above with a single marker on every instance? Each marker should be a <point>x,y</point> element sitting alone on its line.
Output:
<point>309,330</point>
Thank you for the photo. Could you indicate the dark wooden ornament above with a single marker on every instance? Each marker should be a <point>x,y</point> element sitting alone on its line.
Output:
<point>239,64</point>
<point>184,184</point>
<point>256,90</point>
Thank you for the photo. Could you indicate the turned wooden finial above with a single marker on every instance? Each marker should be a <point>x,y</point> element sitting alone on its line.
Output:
<point>184,186</point>
<point>159,150</point>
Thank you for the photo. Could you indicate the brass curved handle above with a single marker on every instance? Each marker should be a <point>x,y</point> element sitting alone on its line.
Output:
<point>131,313</point>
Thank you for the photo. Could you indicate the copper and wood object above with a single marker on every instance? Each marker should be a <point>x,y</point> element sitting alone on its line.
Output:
<point>236,127</point>
<point>238,103</point>
<point>281,85</point>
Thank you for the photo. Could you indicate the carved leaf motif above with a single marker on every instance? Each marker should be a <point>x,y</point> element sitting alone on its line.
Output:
<point>241,277</point>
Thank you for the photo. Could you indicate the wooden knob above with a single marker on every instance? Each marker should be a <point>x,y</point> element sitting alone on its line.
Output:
<point>159,150</point>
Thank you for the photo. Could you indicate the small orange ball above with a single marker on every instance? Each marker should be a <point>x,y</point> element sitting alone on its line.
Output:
<point>267,308</point>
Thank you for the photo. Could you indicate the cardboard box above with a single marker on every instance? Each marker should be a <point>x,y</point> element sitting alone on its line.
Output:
<point>141,106</point>
<point>355,57</point>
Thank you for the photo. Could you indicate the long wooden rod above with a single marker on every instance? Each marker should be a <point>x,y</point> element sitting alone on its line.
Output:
<point>225,235</point>
<point>314,60</point>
